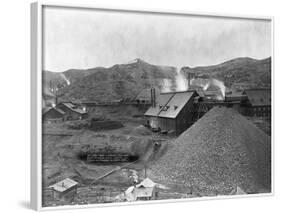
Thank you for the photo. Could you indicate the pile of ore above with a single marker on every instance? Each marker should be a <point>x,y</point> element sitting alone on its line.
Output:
<point>220,152</point>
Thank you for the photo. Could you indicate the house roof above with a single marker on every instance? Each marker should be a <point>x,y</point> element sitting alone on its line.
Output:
<point>176,104</point>
<point>143,189</point>
<point>169,105</point>
<point>161,101</point>
<point>259,97</point>
<point>74,108</point>
<point>64,185</point>
<point>48,109</point>
<point>146,183</point>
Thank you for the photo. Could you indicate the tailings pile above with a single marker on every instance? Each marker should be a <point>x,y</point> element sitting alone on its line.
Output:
<point>221,151</point>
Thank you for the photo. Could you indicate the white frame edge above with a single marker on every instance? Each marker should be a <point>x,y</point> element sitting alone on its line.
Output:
<point>36,100</point>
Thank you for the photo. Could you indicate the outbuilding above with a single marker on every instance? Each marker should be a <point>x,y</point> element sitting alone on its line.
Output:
<point>64,189</point>
<point>145,190</point>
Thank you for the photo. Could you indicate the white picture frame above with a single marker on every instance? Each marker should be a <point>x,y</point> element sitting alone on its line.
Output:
<point>36,100</point>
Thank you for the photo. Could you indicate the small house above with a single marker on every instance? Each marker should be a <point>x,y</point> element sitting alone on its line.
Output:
<point>72,111</point>
<point>64,189</point>
<point>146,190</point>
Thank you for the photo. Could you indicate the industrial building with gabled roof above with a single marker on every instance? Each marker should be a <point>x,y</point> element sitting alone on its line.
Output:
<point>258,97</point>
<point>259,101</point>
<point>172,111</point>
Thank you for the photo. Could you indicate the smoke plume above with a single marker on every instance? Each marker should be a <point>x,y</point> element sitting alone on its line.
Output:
<point>181,82</point>
<point>64,77</point>
<point>166,85</point>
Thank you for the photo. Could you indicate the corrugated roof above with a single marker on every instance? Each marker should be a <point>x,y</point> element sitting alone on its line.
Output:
<point>175,105</point>
<point>64,185</point>
<point>171,104</point>
<point>161,101</point>
<point>259,97</point>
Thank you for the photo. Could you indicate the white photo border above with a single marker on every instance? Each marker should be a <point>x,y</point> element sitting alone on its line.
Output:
<point>36,100</point>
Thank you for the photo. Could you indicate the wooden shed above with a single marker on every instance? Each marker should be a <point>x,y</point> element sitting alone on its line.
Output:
<point>145,190</point>
<point>172,111</point>
<point>64,189</point>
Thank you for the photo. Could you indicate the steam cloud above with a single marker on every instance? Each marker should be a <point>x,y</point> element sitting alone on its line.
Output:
<point>166,85</point>
<point>64,77</point>
<point>181,82</point>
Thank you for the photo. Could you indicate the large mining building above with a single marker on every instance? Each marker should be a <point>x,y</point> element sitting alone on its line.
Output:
<point>176,111</point>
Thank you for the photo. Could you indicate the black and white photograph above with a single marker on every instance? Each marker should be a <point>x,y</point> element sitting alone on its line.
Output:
<point>141,106</point>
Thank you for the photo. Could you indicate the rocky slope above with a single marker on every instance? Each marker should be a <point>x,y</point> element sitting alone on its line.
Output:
<point>125,81</point>
<point>121,81</point>
<point>221,151</point>
<point>239,73</point>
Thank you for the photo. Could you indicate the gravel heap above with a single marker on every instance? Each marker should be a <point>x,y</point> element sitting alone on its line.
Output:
<point>220,152</point>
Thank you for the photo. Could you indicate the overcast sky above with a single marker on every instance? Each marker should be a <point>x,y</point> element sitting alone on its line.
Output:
<point>80,38</point>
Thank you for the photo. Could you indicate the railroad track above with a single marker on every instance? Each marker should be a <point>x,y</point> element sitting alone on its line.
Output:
<point>111,172</point>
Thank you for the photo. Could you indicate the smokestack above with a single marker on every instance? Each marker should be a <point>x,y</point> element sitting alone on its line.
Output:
<point>189,77</point>
<point>188,80</point>
<point>153,97</point>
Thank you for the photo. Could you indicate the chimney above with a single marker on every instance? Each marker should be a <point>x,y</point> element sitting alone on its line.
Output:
<point>188,80</point>
<point>153,97</point>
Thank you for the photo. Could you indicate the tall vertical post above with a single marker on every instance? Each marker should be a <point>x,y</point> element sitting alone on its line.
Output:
<point>188,80</point>
<point>153,97</point>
